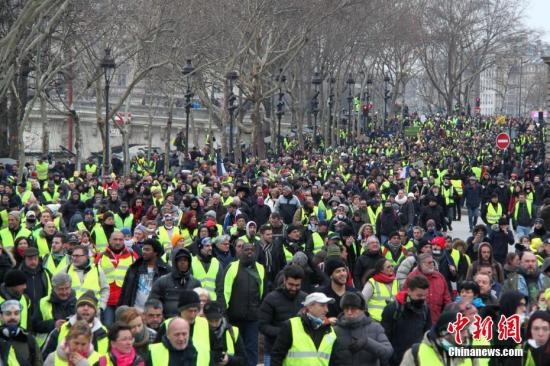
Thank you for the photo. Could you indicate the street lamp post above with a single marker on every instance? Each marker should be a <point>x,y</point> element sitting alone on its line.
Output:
<point>186,71</point>
<point>350,83</point>
<point>231,106</point>
<point>316,81</point>
<point>367,97</point>
<point>281,79</point>
<point>386,98</point>
<point>330,106</point>
<point>108,65</point>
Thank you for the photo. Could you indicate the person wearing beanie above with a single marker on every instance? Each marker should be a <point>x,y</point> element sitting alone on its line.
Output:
<point>205,268</point>
<point>114,262</point>
<point>240,289</point>
<point>168,287</point>
<point>359,339</point>
<point>436,343</point>
<point>231,350</point>
<point>294,241</point>
<point>102,231</point>
<point>139,279</point>
<point>24,344</point>
<point>53,310</point>
<point>86,310</point>
<point>337,272</point>
<point>13,288</point>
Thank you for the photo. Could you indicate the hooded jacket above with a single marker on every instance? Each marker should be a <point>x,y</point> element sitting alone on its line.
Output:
<point>167,288</point>
<point>359,341</point>
<point>438,292</point>
<point>498,272</point>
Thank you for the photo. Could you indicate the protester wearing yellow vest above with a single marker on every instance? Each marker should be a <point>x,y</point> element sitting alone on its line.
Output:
<point>13,288</point>
<point>26,348</point>
<point>492,211</point>
<point>307,339</point>
<point>167,231</point>
<point>102,231</point>
<point>380,289</point>
<point>13,231</point>
<point>241,290</point>
<point>86,276</point>
<point>56,260</point>
<point>522,217</point>
<point>228,338</point>
<point>432,351</point>
<point>124,218</point>
<point>205,268</point>
<point>42,167</point>
<point>114,262</point>
<point>175,347</point>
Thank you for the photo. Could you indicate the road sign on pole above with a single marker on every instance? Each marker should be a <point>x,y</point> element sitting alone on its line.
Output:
<point>503,140</point>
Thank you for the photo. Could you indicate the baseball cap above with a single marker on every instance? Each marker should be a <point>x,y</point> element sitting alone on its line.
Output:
<point>317,297</point>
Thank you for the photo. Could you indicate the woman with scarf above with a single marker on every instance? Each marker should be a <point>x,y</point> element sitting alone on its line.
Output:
<point>143,335</point>
<point>537,346</point>
<point>76,349</point>
<point>21,244</point>
<point>380,289</point>
<point>121,349</point>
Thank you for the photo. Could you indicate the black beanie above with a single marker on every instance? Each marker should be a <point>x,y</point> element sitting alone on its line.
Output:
<point>14,278</point>
<point>333,264</point>
<point>213,310</point>
<point>188,298</point>
<point>352,299</point>
<point>156,246</point>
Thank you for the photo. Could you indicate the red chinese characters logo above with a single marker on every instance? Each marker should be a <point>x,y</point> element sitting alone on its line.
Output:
<point>507,327</point>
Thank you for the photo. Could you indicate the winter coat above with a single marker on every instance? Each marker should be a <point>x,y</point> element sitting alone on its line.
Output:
<point>472,195</point>
<point>131,279</point>
<point>277,307</point>
<point>167,288</point>
<point>186,357</point>
<point>500,241</point>
<point>518,281</point>
<point>364,263</point>
<point>387,222</point>
<point>25,346</point>
<point>404,325</point>
<point>438,292</point>
<point>360,341</point>
<point>61,309</point>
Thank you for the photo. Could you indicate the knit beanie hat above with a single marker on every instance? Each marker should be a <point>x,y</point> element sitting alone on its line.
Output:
<point>440,327</point>
<point>88,298</point>
<point>187,299</point>
<point>333,251</point>
<point>352,299</point>
<point>332,264</point>
<point>175,238</point>
<point>14,278</point>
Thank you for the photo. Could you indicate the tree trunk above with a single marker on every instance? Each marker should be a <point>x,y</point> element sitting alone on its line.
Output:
<point>78,139</point>
<point>45,126</point>
<point>4,121</point>
<point>194,129</point>
<point>168,133</point>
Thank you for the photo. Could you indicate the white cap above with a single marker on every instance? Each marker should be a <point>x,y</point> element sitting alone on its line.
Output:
<point>317,297</point>
<point>410,195</point>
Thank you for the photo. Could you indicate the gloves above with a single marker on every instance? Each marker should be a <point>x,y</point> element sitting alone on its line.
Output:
<point>358,345</point>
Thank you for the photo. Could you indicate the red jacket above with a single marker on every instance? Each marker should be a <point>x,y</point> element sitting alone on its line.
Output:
<point>438,292</point>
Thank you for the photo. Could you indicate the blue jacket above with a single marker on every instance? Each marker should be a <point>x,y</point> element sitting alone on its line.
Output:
<point>472,195</point>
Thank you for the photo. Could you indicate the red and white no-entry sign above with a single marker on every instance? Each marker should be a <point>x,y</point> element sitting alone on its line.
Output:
<point>503,140</point>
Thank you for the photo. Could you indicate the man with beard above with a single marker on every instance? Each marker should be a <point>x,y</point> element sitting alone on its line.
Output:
<point>57,259</point>
<point>240,290</point>
<point>337,271</point>
<point>54,309</point>
<point>287,204</point>
<point>279,228</point>
<point>205,268</point>
<point>13,288</point>
<point>25,346</point>
<point>89,221</point>
<point>270,255</point>
<point>280,305</point>
<point>139,278</point>
<point>529,279</point>
<point>167,288</point>
<point>86,309</point>
<point>86,276</point>
<point>114,262</point>
<point>365,262</point>
<point>38,279</point>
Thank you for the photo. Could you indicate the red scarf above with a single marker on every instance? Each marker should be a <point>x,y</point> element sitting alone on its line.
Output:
<point>124,359</point>
<point>384,278</point>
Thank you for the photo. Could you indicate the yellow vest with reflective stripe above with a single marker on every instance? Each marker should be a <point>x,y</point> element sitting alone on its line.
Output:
<point>373,215</point>
<point>116,274</point>
<point>427,356</point>
<point>207,279</point>
<point>102,345</point>
<point>230,276</point>
<point>303,350</point>
<point>25,304</point>
<point>164,237</point>
<point>90,282</point>
<point>457,184</point>
<point>230,342</point>
<point>318,242</point>
<point>381,296</point>
<point>49,264</point>
<point>7,239</point>
<point>492,215</point>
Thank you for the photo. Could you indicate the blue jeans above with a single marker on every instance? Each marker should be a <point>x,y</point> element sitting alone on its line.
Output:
<point>473,215</point>
<point>250,330</point>
<point>267,359</point>
<point>523,230</point>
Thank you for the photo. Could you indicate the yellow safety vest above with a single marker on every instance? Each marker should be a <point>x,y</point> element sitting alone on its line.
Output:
<point>92,359</point>
<point>226,201</point>
<point>492,215</point>
<point>448,194</point>
<point>4,215</point>
<point>381,296</point>
<point>127,222</point>
<point>90,282</point>
<point>230,276</point>
<point>7,239</point>
<point>373,216</point>
<point>42,170</point>
<point>25,305</point>
<point>529,210</point>
<point>201,341</point>
<point>457,184</point>
<point>90,168</point>
<point>43,247</point>
<point>116,274</point>
<point>230,342</point>
<point>49,264</point>
<point>318,242</point>
<point>207,279</point>
<point>428,356</point>
<point>101,240</point>
<point>164,238</point>
<point>303,350</point>
<point>100,345</point>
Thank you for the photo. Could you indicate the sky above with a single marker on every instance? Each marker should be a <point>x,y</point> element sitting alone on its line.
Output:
<point>538,16</point>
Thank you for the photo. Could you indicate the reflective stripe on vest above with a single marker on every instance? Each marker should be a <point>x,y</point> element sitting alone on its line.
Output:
<point>303,350</point>
<point>207,279</point>
<point>381,296</point>
<point>116,274</point>
<point>90,282</point>
<point>492,215</point>
<point>230,276</point>
<point>318,242</point>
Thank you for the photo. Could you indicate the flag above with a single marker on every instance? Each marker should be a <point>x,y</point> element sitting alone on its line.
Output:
<point>220,168</point>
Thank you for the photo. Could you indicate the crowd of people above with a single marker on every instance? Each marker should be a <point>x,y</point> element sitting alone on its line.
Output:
<point>327,256</point>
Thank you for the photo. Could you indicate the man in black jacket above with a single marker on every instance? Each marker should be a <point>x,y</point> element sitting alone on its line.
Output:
<point>24,344</point>
<point>141,275</point>
<point>281,305</point>
<point>38,278</point>
<point>168,288</point>
<point>366,261</point>
<point>406,319</point>
<point>270,255</point>
<point>181,352</point>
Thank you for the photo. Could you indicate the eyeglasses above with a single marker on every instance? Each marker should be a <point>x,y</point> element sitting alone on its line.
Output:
<point>78,255</point>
